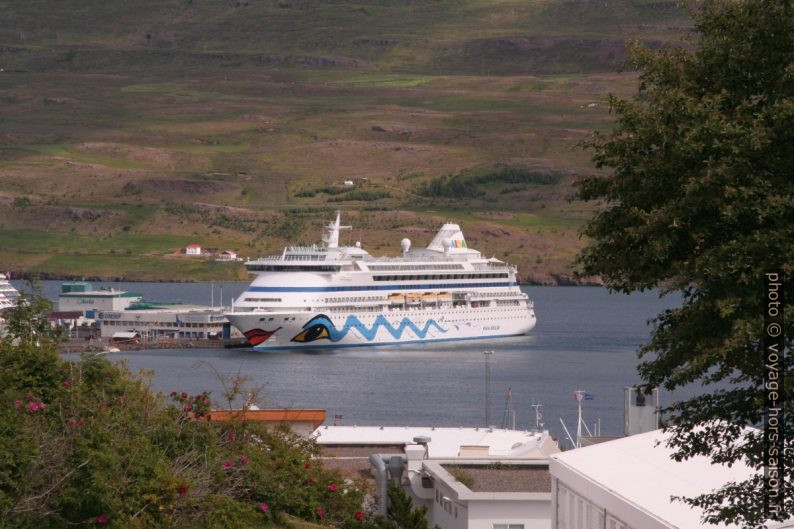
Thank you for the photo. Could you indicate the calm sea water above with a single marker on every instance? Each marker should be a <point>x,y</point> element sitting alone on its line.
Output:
<point>585,339</point>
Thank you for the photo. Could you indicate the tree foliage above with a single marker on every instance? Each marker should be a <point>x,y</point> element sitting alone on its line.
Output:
<point>87,443</point>
<point>700,201</point>
<point>466,184</point>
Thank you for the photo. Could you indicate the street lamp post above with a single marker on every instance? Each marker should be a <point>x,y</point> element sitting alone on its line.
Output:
<point>487,387</point>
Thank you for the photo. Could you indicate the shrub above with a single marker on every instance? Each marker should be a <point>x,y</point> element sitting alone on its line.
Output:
<point>466,183</point>
<point>88,443</point>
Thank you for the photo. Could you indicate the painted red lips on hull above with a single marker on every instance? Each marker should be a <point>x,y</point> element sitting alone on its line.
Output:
<point>257,336</point>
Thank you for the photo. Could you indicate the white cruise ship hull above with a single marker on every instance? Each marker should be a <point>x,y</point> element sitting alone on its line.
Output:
<point>313,297</point>
<point>312,330</point>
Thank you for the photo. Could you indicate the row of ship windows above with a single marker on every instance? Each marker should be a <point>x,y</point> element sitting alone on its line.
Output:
<point>440,276</point>
<point>428,313</point>
<point>158,324</point>
<point>395,268</point>
<point>373,309</point>
<point>358,299</point>
<point>287,268</point>
<point>365,298</point>
<point>265,300</point>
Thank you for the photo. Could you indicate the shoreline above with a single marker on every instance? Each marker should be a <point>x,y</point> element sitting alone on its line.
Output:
<point>102,345</point>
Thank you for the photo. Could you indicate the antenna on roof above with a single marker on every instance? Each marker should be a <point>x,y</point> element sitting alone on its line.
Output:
<point>538,416</point>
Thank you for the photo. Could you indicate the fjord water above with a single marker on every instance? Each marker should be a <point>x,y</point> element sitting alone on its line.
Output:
<point>585,339</point>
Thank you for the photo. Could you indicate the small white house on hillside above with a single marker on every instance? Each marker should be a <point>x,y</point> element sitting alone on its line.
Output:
<point>227,255</point>
<point>193,249</point>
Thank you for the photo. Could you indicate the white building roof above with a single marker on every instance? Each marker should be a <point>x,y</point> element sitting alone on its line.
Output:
<point>100,294</point>
<point>125,334</point>
<point>642,475</point>
<point>444,442</point>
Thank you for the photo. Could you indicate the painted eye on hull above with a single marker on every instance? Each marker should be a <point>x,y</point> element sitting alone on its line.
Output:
<point>315,332</point>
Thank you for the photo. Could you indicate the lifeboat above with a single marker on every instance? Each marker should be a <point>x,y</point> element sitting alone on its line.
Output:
<point>396,299</point>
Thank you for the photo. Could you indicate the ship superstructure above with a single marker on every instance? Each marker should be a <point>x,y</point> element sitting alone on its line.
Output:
<point>8,294</point>
<point>340,296</point>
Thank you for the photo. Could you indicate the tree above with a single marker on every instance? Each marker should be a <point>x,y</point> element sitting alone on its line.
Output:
<point>87,443</point>
<point>700,201</point>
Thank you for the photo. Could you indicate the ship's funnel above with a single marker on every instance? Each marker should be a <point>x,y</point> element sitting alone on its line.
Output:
<point>451,234</point>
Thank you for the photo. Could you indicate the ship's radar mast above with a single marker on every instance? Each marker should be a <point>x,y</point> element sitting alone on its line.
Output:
<point>331,237</point>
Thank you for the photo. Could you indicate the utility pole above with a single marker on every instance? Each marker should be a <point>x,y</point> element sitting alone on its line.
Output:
<point>509,417</point>
<point>487,387</point>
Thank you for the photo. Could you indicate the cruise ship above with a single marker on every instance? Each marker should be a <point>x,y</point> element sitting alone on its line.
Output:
<point>8,294</point>
<point>329,296</point>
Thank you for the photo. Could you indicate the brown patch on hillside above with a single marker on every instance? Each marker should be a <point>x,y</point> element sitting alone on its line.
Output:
<point>174,185</point>
<point>143,155</point>
<point>228,211</point>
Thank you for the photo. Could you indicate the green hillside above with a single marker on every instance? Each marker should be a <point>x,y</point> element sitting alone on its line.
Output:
<point>130,129</point>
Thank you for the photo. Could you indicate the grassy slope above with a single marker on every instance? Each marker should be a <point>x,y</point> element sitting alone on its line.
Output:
<point>122,120</point>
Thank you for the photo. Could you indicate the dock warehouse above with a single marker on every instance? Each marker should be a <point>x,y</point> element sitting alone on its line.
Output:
<point>81,296</point>
<point>169,322</point>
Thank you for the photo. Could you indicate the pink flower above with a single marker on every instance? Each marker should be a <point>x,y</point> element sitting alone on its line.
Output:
<point>72,422</point>
<point>30,395</point>
<point>67,384</point>
<point>173,393</point>
<point>227,464</point>
<point>18,404</point>
<point>182,490</point>
<point>121,401</point>
<point>359,516</point>
<point>232,436</point>
<point>33,407</point>
<point>102,519</point>
<point>320,511</point>
<point>184,395</point>
<point>332,487</point>
<point>264,506</point>
<point>244,459</point>
<point>188,406</point>
<point>206,402</point>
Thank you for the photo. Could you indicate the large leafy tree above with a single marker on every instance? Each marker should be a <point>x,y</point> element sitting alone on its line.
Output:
<point>697,197</point>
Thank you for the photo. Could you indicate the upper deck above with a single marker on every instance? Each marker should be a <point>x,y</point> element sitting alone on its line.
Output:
<point>447,252</point>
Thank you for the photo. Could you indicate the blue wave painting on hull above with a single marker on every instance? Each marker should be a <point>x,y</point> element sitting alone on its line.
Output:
<point>321,327</point>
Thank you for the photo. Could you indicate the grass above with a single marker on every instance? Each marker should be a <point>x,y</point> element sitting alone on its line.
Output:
<point>244,106</point>
<point>461,475</point>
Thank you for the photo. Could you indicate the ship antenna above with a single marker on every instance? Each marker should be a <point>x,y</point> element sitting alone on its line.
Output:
<point>331,237</point>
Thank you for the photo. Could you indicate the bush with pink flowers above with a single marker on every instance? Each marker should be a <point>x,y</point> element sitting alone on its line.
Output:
<point>105,450</point>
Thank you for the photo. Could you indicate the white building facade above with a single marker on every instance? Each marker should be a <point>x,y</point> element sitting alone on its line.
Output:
<point>166,323</point>
<point>455,506</point>
<point>450,503</point>
<point>629,483</point>
<point>82,297</point>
